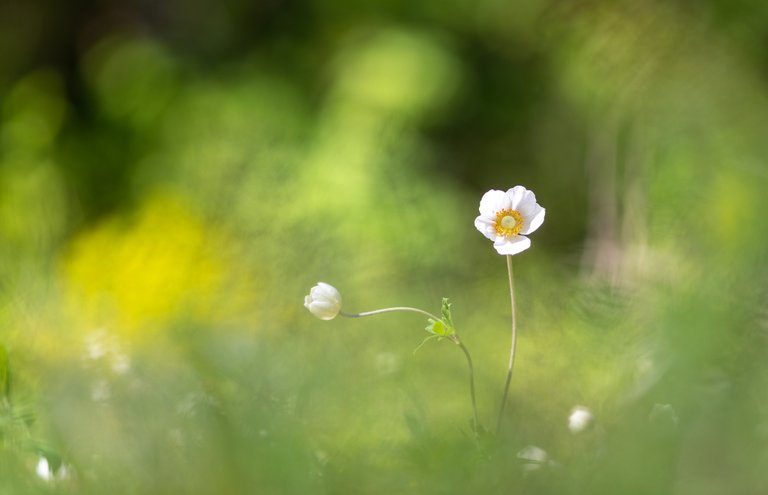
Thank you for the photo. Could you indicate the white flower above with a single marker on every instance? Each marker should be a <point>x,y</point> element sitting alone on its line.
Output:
<point>43,470</point>
<point>46,472</point>
<point>323,301</point>
<point>507,218</point>
<point>533,458</point>
<point>580,419</point>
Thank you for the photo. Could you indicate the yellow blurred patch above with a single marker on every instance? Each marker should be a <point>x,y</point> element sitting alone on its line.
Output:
<point>139,275</point>
<point>736,207</point>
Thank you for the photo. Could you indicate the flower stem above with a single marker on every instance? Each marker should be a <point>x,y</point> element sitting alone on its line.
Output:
<point>388,310</point>
<point>476,423</point>
<point>454,338</point>
<point>512,347</point>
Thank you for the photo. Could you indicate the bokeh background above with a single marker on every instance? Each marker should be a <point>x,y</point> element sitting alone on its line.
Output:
<point>175,176</point>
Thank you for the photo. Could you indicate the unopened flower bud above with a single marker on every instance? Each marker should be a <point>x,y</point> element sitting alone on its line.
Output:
<point>323,301</point>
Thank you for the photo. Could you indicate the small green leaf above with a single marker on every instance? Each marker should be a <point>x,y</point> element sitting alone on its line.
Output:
<point>439,328</point>
<point>446,311</point>
<point>436,327</point>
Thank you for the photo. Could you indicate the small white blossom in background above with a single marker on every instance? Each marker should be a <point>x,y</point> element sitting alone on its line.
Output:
<point>101,347</point>
<point>95,345</point>
<point>664,413</point>
<point>323,301</point>
<point>100,391</point>
<point>534,457</point>
<point>580,419</point>
<point>386,363</point>
<point>45,472</point>
<point>507,218</point>
<point>322,457</point>
<point>121,364</point>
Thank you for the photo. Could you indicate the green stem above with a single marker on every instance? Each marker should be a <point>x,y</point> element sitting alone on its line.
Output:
<point>512,347</point>
<point>454,338</point>
<point>388,310</point>
<point>476,424</point>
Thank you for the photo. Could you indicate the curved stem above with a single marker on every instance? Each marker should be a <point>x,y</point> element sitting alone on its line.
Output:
<point>454,338</point>
<point>476,425</point>
<point>388,310</point>
<point>512,347</point>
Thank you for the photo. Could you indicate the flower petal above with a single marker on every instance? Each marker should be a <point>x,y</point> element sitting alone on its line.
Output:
<point>513,245</point>
<point>326,292</point>
<point>486,227</point>
<point>324,310</point>
<point>532,218</point>
<point>516,196</point>
<point>527,200</point>
<point>494,201</point>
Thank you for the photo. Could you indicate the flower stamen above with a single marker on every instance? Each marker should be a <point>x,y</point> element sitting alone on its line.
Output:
<point>508,223</point>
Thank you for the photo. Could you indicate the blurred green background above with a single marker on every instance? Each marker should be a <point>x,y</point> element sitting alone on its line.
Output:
<point>175,176</point>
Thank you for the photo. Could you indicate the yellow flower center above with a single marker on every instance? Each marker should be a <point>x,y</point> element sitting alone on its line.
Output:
<point>508,223</point>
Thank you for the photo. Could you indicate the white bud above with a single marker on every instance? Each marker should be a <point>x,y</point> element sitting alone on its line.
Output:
<point>323,301</point>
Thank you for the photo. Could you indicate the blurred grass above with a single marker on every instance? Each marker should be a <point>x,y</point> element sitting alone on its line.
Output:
<point>162,215</point>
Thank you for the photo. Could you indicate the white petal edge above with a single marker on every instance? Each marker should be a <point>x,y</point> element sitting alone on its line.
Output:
<point>325,291</point>
<point>527,201</point>
<point>486,227</point>
<point>494,201</point>
<point>532,223</point>
<point>516,195</point>
<point>515,245</point>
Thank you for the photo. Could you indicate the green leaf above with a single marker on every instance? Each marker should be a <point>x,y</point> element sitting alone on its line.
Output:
<point>439,328</point>
<point>446,311</point>
<point>436,327</point>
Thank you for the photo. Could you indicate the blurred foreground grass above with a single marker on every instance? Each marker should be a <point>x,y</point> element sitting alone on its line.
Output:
<point>155,253</point>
